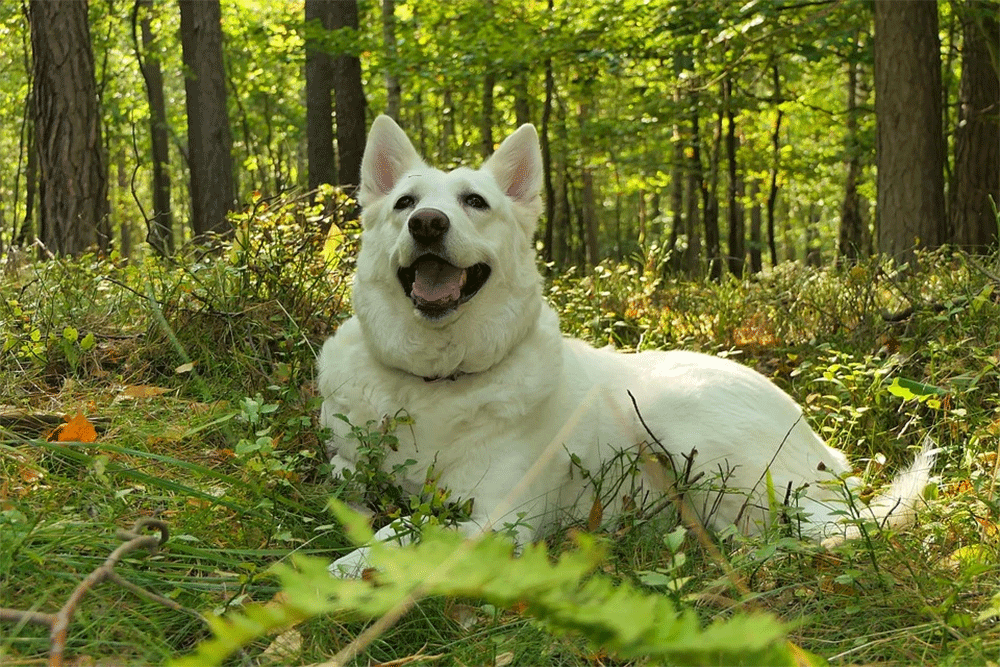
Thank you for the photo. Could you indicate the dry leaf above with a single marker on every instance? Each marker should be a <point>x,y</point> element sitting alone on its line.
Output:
<point>284,650</point>
<point>596,516</point>
<point>504,659</point>
<point>143,391</point>
<point>185,368</point>
<point>77,429</point>
<point>464,615</point>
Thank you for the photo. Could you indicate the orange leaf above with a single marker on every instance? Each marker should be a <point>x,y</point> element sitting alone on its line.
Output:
<point>77,429</point>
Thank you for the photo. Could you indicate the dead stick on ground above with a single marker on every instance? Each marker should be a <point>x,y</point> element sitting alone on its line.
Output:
<point>59,622</point>
<point>151,543</point>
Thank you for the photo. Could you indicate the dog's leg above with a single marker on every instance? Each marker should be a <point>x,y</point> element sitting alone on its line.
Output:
<point>400,532</point>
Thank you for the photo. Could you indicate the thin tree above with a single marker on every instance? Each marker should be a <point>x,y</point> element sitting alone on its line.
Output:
<point>393,90</point>
<point>693,193</point>
<point>160,232</point>
<point>210,141</point>
<point>734,193</point>
<point>350,98</point>
<point>72,167</point>
<point>911,151</point>
<point>322,161</point>
<point>851,236</point>
<point>772,192</point>
<point>976,179</point>
<point>550,190</point>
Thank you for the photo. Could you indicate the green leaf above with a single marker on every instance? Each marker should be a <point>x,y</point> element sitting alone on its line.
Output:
<point>566,596</point>
<point>911,389</point>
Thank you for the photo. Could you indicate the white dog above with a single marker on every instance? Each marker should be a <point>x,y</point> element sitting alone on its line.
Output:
<point>450,326</point>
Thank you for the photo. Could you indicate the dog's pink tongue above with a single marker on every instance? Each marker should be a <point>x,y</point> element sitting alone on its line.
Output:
<point>437,281</point>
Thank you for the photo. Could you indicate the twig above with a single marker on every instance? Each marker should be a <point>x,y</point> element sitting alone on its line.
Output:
<point>690,518</point>
<point>59,622</point>
<point>151,543</point>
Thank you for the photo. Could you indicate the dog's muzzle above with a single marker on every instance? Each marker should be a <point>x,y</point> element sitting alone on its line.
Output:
<point>435,285</point>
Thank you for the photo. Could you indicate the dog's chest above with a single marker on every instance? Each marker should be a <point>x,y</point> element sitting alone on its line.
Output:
<point>461,430</point>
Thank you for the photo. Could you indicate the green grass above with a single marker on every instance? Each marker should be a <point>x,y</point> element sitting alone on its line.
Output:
<point>230,454</point>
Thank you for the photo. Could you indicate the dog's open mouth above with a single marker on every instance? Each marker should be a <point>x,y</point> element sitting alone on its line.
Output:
<point>437,287</point>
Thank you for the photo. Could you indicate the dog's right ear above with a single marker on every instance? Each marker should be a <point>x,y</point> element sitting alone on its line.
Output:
<point>388,155</point>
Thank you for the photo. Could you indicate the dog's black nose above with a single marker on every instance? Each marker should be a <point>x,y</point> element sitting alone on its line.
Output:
<point>428,225</point>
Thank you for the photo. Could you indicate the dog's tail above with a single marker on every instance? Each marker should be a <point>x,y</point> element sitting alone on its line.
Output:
<point>897,505</point>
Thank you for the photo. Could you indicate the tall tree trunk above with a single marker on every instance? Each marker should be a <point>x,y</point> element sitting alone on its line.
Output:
<point>550,191</point>
<point>677,179</point>
<point>588,197</point>
<point>911,148</point>
<point>693,195</point>
<point>350,98</point>
<point>772,193</point>
<point>73,171</point>
<point>319,98</point>
<point>121,199</point>
<point>851,236</point>
<point>710,204</point>
<point>393,91</point>
<point>25,233</point>
<point>210,141</point>
<point>160,228</point>
<point>447,122</point>
<point>486,120</point>
<point>977,137</point>
<point>737,229</point>
<point>756,222</point>
<point>522,101</point>
<point>588,216</point>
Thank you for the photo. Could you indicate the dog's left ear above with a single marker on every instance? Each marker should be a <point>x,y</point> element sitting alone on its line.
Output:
<point>517,166</point>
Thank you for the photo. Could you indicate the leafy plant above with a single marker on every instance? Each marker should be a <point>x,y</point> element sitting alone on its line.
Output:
<point>563,596</point>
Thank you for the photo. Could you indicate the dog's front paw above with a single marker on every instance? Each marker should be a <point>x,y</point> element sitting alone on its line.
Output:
<point>353,565</point>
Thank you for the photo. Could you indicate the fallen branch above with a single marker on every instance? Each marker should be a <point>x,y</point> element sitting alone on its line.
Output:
<point>59,622</point>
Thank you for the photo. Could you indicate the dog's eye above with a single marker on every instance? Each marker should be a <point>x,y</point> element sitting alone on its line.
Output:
<point>475,201</point>
<point>404,202</point>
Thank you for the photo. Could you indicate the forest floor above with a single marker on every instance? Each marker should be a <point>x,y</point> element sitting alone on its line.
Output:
<point>184,391</point>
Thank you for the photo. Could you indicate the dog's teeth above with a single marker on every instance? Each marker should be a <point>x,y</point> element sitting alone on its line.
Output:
<point>463,278</point>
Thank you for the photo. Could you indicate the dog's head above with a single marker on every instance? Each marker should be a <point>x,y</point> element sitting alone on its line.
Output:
<point>446,278</point>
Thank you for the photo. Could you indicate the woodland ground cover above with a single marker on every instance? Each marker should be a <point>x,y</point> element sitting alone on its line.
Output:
<point>196,376</point>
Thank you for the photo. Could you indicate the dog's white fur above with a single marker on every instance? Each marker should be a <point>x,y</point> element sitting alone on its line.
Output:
<point>514,400</point>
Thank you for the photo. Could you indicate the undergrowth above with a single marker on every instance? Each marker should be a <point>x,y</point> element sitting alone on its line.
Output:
<point>198,375</point>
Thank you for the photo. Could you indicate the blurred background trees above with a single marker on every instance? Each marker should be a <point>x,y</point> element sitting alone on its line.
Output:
<point>726,137</point>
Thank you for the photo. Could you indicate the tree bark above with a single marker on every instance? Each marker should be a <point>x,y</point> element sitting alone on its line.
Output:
<point>911,150</point>
<point>550,192</point>
<point>486,120</point>
<point>350,99</point>
<point>160,228</point>
<point>677,169</point>
<point>210,142</point>
<point>851,236</point>
<point>772,193</point>
<point>73,172</point>
<point>710,204</point>
<point>692,195</point>
<point>322,161</point>
<point>977,137</point>
<point>756,220</point>
<point>393,91</point>
<point>522,101</point>
<point>737,228</point>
